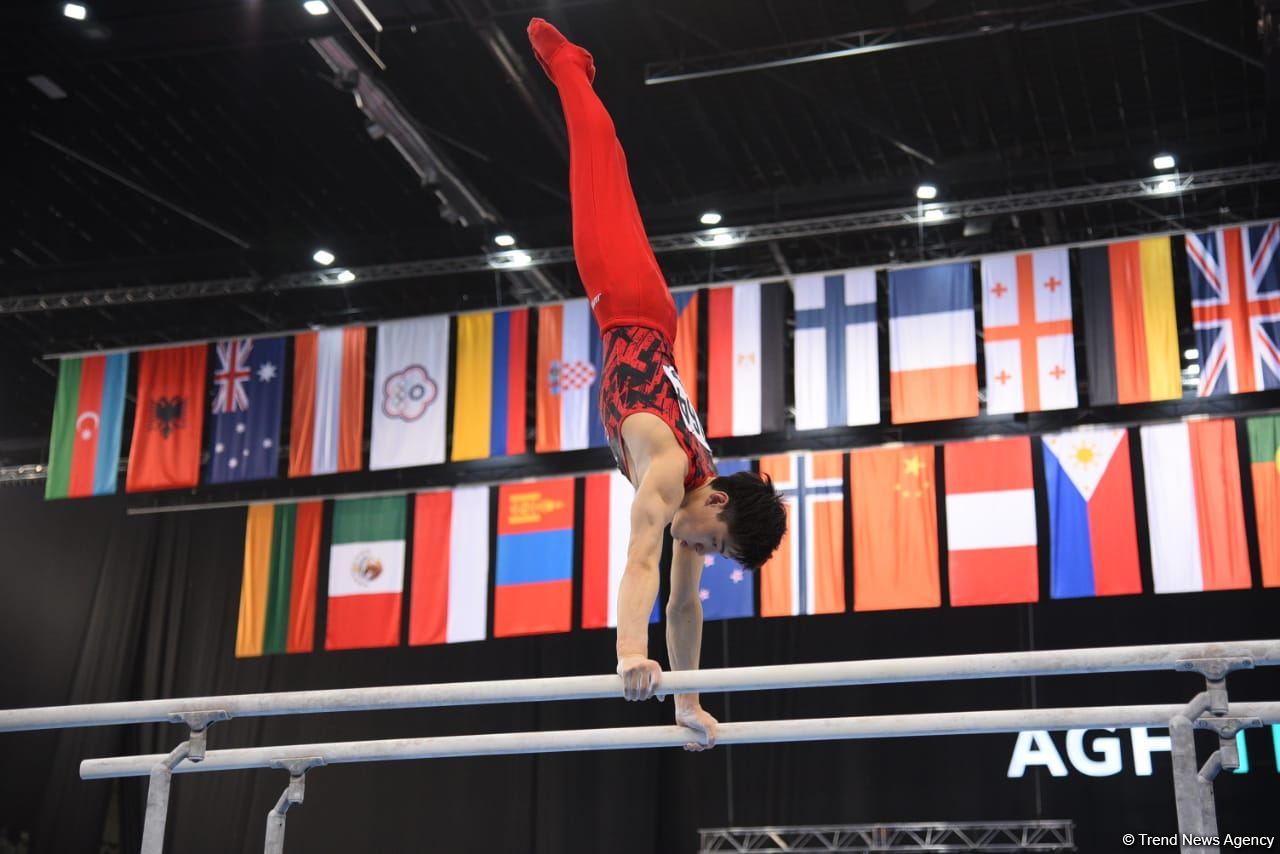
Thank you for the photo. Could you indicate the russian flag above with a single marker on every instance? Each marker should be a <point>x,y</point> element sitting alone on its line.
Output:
<point>492,372</point>
<point>605,536</point>
<point>991,522</point>
<point>933,371</point>
<point>746,340</point>
<point>836,350</point>
<point>1093,540</point>
<point>450,594</point>
<point>806,573</point>
<point>533,590</point>
<point>570,360</point>
<point>1195,511</point>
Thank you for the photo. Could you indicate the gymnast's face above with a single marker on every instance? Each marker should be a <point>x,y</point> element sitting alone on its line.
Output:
<point>698,527</point>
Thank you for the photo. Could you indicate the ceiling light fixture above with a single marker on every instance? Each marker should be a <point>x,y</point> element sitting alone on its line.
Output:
<point>1164,161</point>
<point>933,215</point>
<point>1193,353</point>
<point>75,11</point>
<point>710,218</point>
<point>323,257</point>
<point>346,277</point>
<point>504,240</point>
<point>1165,185</point>
<point>717,238</point>
<point>316,7</point>
<point>926,192</point>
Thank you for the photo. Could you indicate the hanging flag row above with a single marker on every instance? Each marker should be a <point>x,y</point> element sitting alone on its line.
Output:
<point>1195,516</point>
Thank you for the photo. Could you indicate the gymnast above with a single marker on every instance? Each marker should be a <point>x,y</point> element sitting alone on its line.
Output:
<point>653,430</point>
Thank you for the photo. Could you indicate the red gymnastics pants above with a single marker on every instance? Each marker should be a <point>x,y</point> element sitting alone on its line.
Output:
<point>616,264</point>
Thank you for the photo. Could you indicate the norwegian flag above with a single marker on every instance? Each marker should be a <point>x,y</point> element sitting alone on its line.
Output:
<point>1235,303</point>
<point>232,375</point>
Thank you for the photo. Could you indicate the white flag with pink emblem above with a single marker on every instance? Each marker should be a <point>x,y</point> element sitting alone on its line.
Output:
<point>1027,333</point>
<point>410,389</point>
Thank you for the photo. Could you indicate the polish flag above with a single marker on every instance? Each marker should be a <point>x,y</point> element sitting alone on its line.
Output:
<point>606,534</point>
<point>449,598</point>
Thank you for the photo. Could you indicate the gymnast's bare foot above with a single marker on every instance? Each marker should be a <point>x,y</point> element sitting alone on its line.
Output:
<point>551,47</point>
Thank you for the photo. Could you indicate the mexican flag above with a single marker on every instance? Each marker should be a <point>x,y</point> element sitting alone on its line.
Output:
<point>366,573</point>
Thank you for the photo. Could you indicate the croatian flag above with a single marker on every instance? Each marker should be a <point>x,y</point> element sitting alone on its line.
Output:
<point>837,362</point>
<point>448,602</point>
<point>533,591</point>
<point>806,573</point>
<point>932,344</point>
<point>605,536</point>
<point>727,589</point>
<point>1028,342</point>
<point>1093,540</point>
<point>248,396</point>
<point>569,364</point>
<point>1235,303</point>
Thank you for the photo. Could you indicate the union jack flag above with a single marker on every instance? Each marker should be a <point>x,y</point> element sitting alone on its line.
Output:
<point>232,374</point>
<point>1235,302</point>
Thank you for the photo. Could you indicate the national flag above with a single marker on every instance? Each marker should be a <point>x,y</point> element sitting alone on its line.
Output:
<point>806,573</point>
<point>449,596</point>
<point>570,359</point>
<point>169,420</point>
<point>278,589</point>
<point>1194,508</point>
<point>837,350</point>
<point>366,573</point>
<point>991,522</point>
<point>1264,467</point>
<point>1130,327</point>
<point>895,529</point>
<point>84,445</point>
<point>685,347</point>
<point>492,358</point>
<point>746,340</point>
<point>727,588</point>
<point>1235,305</point>
<point>410,393</point>
<point>1027,332</point>
<point>244,417</point>
<point>1093,540</point>
<point>933,358</point>
<point>533,590</point>
<point>327,430</point>
<point>606,533</point>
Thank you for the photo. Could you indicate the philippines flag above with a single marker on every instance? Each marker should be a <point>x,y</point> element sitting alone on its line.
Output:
<point>991,522</point>
<point>569,363</point>
<point>746,340</point>
<point>489,391</point>
<point>1027,333</point>
<point>727,588</point>
<point>1235,303</point>
<point>837,353</point>
<point>932,351</point>
<point>248,396</point>
<point>605,536</point>
<point>533,590</point>
<point>449,597</point>
<point>806,573</point>
<point>1093,540</point>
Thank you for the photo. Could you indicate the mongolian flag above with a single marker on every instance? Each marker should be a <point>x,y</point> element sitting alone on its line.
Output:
<point>169,420</point>
<point>244,416</point>
<point>837,350</point>
<point>449,598</point>
<point>84,445</point>
<point>1264,467</point>
<point>278,590</point>
<point>933,347</point>
<point>492,359</point>
<point>410,393</point>
<point>1131,330</point>
<point>746,371</point>
<point>806,573</point>
<point>1194,507</point>
<point>685,347</point>
<point>366,573</point>
<point>727,588</point>
<point>327,430</point>
<point>570,359</point>
<point>533,590</point>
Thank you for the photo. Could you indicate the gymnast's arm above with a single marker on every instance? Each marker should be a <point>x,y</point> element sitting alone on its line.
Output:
<point>684,640</point>
<point>657,499</point>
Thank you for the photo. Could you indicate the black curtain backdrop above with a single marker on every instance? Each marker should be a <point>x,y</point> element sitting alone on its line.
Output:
<point>98,606</point>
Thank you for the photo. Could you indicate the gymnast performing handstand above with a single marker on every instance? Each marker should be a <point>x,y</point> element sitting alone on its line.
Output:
<point>653,430</point>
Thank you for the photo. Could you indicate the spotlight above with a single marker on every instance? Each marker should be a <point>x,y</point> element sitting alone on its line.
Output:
<point>926,192</point>
<point>717,238</point>
<point>1166,185</point>
<point>1164,161</point>
<point>316,7</point>
<point>346,277</point>
<point>75,11</point>
<point>710,218</point>
<point>520,259</point>
<point>504,240</point>
<point>1193,370</point>
<point>933,215</point>
<point>1193,353</point>
<point>323,257</point>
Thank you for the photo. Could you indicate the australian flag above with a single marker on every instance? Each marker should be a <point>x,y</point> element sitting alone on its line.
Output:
<point>247,397</point>
<point>727,590</point>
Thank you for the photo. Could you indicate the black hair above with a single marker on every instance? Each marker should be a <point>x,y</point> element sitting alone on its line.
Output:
<point>755,514</point>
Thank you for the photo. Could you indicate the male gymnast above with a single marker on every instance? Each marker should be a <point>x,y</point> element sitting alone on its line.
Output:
<point>653,430</point>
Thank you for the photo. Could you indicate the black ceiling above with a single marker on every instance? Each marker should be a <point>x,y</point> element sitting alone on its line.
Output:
<point>202,140</point>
